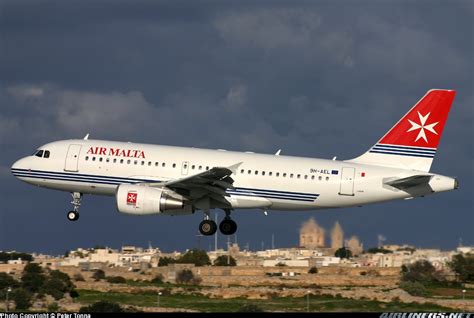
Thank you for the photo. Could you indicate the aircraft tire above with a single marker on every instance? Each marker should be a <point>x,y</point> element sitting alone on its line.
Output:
<point>207,227</point>
<point>228,227</point>
<point>73,216</point>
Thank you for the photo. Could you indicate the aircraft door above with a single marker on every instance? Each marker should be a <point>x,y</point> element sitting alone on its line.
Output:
<point>347,181</point>
<point>184,168</point>
<point>72,158</point>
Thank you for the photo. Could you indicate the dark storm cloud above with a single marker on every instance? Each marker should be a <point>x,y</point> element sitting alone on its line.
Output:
<point>316,79</point>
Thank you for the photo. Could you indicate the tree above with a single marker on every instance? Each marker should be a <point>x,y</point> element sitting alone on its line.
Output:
<point>421,271</point>
<point>32,278</point>
<point>413,288</point>
<point>158,279</point>
<point>5,257</point>
<point>98,275</point>
<point>463,267</point>
<point>54,287</point>
<point>195,256</point>
<point>116,280</point>
<point>186,276</point>
<point>375,250</point>
<point>78,277</point>
<point>165,261</point>
<point>7,281</point>
<point>343,252</point>
<point>222,261</point>
<point>250,308</point>
<point>21,297</point>
<point>102,306</point>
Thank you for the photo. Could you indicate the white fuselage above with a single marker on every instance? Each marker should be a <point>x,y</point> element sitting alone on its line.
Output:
<point>260,180</point>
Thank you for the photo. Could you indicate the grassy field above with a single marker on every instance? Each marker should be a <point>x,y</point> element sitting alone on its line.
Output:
<point>449,292</point>
<point>286,304</point>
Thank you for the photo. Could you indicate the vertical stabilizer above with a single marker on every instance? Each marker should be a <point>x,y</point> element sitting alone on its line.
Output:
<point>412,142</point>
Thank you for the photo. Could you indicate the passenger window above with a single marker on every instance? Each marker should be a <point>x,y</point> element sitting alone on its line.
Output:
<point>277,174</point>
<point>39,154</point>
<point>256,172</point>
<point>284,175</point>
<point>207,167</point>
<point>200,167</point>
<point>270,173</point>
<point>149,163</point>
<point>193,166</point>
<point>327,178</point>
<point>87,158</point>
<point>135,162</point>
<point>263,173</point>
<point>115,160</point>
<point>163,164</point>
<point>291,175</point>
<point>250,171</point>
<point>305,177</point>
<point>312,177</point>
<point>174,165</point>
<point>298,176</point>
<point>100,159</point>
<point>129,161</point>
<point>107,160</point>
<point>93,158</point>
<point>320,178</point>
<point>241,170</point>
<point>185,166</point>
<point>143,163</point>
<point>156,164</point>
<point>121,160</point>
<point>46,154</point>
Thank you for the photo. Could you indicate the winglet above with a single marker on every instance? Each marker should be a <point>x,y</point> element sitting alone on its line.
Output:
<point>278,152</point>
<point>86,137</point>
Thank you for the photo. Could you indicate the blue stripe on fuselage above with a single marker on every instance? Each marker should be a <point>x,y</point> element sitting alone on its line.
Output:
<point>87,178</point>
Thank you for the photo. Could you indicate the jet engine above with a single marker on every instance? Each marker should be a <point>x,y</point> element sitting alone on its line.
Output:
<point>144,200</point>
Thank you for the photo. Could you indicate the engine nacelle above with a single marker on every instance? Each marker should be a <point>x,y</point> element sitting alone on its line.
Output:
<point>143,200</point>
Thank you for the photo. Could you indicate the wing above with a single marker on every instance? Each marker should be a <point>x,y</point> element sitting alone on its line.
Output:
<point>210,186</point>
<point>410,182</point>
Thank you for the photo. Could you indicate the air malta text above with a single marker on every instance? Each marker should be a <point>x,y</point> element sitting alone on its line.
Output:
<point>117,152</point>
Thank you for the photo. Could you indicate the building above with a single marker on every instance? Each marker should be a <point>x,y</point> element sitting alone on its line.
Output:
<point>311,235</point>
<point>337,236</point>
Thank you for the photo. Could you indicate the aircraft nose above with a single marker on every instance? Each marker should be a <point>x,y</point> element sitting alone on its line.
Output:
<point>18,166</point>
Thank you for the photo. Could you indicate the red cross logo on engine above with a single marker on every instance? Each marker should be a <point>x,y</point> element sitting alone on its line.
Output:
<point>132,198</point>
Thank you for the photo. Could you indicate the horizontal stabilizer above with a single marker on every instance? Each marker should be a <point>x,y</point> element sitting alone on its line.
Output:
<point>410,182</point>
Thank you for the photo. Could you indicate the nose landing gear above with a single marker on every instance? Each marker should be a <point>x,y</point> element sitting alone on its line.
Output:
<point>73,215</point>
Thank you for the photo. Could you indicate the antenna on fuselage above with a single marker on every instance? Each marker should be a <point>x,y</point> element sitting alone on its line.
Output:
<point>334,158</point>
<point>278,152</point>
<point>86,137</point>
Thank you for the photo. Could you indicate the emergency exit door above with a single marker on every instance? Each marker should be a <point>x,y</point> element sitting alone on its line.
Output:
<point>347,181</point>
<point>72,158</point>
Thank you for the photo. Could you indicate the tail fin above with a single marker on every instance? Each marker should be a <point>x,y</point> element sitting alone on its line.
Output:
<point>412,142</point>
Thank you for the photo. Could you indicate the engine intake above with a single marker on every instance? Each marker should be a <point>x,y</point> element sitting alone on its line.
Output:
<point>143,200</point>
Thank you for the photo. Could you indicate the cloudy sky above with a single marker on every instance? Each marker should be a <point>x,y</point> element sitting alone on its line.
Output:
<point>314,78</point>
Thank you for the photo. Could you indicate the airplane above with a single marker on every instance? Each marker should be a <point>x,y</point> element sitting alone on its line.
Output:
<point>150,179</point>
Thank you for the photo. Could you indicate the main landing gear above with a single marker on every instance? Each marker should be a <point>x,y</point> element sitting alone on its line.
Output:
<point>209,227</point>
<point>76,202</point>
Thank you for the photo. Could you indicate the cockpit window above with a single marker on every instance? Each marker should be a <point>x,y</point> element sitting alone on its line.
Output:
<point>46,154</point>
<point>39,153</point>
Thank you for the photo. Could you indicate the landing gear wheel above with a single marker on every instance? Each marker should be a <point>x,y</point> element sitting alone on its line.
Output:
<point>73,216</point>
<point>207,227</point>
<point>228,227</point>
